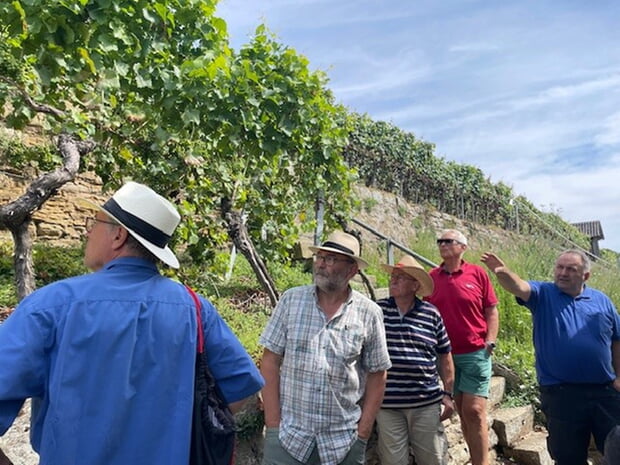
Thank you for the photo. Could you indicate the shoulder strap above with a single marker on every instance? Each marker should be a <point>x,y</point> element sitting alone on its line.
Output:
<point>201,338</point>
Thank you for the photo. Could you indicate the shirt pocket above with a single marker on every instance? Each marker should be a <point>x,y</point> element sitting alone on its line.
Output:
<point>348,344</point>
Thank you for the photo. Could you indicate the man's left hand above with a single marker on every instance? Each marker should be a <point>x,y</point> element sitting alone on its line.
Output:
<point>363,435</point>
<point>448,407</point>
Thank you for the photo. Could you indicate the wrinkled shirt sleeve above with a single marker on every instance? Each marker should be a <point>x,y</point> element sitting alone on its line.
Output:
<point>234,370</point>
<point>376,356</point>
<point>24,339</point>
<point>274,335</point>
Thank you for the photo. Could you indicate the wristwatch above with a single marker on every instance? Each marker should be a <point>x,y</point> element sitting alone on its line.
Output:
<point>449,394</point>
<point>491,344</point>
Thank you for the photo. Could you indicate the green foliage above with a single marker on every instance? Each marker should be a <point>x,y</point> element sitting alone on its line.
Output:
<point>20,156</point>
<point>240,300</point>
<point>53,263</point>
<point>6,259</point>
<point>155,83</point>
<point>249,424</point>
<point>296,274</point>
<point>369,203</point>
<point>396,161</point>
<point>246,323</point>
<point>8,297</point>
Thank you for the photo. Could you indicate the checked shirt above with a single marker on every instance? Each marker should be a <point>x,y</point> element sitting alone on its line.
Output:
<point>324,365</point>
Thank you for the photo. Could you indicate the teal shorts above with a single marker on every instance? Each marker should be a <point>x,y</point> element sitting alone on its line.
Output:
<point>472,373</point>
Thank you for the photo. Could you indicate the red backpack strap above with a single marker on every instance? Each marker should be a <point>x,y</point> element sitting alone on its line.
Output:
<point>201,339</point>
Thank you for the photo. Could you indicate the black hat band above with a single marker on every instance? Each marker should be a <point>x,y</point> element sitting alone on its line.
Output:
<point>139,226</point>
<point>333,245</point>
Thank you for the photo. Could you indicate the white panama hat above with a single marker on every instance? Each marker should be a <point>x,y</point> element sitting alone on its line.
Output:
<point>147,216</point>
<point>342,243</point>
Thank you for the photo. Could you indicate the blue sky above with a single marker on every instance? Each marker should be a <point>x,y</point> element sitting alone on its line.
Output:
<point>528,91</point>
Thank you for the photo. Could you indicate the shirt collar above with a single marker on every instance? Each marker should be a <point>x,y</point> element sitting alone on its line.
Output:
<point>459,270</point>
<point>130,261</point>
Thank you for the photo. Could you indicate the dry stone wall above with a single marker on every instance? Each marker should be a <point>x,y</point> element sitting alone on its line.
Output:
<point>401,220</point>
<point>61,219</point>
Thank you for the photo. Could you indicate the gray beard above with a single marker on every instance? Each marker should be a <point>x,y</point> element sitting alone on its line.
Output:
<point>328,285</point>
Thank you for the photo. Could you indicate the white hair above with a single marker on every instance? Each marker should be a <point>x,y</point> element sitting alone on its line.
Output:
<point>458,235</point>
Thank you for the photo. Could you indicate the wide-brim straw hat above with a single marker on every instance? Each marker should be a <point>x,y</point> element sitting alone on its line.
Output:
<point>410,265</point>
<point>147,216</point>
<point>344,244</point>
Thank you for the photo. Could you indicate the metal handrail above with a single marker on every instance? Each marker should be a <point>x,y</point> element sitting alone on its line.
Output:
<point>391,243</point>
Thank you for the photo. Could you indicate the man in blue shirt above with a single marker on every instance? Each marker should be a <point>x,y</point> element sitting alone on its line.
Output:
<point>577,343</point>
<point>108,357</point>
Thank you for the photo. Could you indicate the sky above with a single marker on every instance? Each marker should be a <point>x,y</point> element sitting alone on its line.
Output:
<point>526,90</point>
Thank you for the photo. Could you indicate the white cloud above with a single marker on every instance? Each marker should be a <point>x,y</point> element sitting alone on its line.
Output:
<point>569,92</point>
<point>579,196</point>
<point>610,134</point>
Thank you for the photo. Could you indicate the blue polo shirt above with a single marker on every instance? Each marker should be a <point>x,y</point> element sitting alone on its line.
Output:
<point>572,335</point>
<point>109,359</point>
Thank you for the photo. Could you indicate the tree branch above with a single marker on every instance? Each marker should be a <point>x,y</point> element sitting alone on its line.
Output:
<point>38,107</point>
<point>46,185</point>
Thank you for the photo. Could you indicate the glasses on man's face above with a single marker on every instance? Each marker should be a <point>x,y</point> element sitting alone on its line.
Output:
<point>447,242</point>
<point>401,277</point>
<point>330,260</point>
<point>90,222</point>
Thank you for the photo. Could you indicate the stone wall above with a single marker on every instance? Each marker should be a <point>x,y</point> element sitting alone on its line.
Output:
<point>402,221</point>
<point>61,219</point>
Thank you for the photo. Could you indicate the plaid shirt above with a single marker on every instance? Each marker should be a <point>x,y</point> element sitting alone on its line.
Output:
<point>323,372</point>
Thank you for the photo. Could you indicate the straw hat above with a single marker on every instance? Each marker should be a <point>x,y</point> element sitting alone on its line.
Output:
<point>410,265</point>
<point>147,216</point>
<point>344,244</point>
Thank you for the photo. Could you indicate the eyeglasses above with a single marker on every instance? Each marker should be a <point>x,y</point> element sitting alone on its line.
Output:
<point>447,241</point>
<point>89,223</point>
<point>401,277</point>
<point>330,260</point>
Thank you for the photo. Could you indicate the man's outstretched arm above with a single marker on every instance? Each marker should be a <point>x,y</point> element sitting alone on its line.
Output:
<point>508,279</point>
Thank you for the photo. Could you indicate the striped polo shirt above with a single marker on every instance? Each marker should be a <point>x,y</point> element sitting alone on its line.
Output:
<point>413,341</point>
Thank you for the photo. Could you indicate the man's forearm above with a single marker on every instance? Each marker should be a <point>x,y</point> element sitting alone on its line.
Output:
<point>270,369</point>
<point>615,361</point>
<point>445,367</point>
<point>373,397</point>
<point>491,316</point>
<point>510,281</point>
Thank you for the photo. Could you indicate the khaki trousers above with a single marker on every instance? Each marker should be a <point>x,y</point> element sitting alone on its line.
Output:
<point>419,427</point>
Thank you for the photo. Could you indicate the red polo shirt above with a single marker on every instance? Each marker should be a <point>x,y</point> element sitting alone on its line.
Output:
<point>461,298</point>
